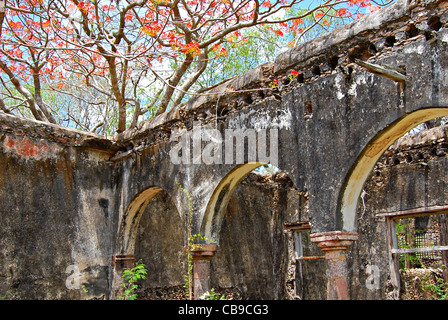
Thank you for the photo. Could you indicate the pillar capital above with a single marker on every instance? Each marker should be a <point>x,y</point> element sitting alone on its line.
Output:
<point>123,261</point>
<point>335,245</point>
<point>334,240</point>
<point>203,251</point>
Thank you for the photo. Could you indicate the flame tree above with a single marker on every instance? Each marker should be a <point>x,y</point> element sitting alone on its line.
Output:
<point>121,59</point>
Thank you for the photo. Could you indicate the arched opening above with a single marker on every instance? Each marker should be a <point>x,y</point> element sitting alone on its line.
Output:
<point>132,217</point>
<point>214,212</point>
<point>159,243</point>
<point>250,214</point>
<point>374,150</point>
<point>153,232</point>
<point>400,210</point>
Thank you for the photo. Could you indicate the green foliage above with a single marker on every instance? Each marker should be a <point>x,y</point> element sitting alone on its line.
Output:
<point>84,289</point>
<point>212,295</point>
<point>6,295</point>
<point>192,240</point>
<point>405,237</point>
<point>248,48</point>
<point>131,276</point>
<point>440,289</point>
<point>254,47</point>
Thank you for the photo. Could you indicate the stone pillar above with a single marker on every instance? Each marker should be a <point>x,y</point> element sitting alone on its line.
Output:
<point>335,244</point>
<point>202,254</point>
<point>120,262</point>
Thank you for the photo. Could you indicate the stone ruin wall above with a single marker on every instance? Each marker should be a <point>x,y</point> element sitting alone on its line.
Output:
<point>58,200</point>
<point>57,204</point>
<point>60,188</point>
<point>255,258</point>
<point>411,174</point>
<point>378,38</point>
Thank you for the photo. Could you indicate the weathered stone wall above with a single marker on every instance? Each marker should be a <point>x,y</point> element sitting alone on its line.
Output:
<point>412,174</point>
<point>253,255</point>
<point>253,260</point>
<point>351,110</point>
<point>56,210</point>
<point>254,251</point>
<point>73,199</point>
<point>74,225</point>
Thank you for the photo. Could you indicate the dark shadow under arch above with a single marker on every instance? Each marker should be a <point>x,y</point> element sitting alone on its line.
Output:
<point>159,243</point>
<point>216,207</point>
<point>211,223</point>
<point>132,216</point>
<point>255,253</point>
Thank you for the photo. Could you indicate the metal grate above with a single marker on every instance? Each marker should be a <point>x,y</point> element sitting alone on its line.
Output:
<point>427,239</point>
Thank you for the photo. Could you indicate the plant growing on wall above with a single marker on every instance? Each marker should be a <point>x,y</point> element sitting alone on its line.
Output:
<point>6,295</point>
<point>192,243</point>
<point>131,276</point>
<point>212,295</point>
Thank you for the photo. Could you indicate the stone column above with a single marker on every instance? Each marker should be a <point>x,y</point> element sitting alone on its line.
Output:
<point>335,244</point>
<point>202,254</point>
<point>120,262</point>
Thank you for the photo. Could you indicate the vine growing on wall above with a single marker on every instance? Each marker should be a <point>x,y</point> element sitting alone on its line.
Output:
<point>188,286</point>
<point>192,243</point>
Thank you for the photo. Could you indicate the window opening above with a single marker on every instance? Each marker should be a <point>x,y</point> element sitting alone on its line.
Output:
<point>418,238</point>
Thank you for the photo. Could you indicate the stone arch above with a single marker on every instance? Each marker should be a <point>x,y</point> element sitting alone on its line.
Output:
<point>211,223</point>
<point>354,183</point>
<point>132,216</point>
<point>217,204</point>
<point>247,214</point>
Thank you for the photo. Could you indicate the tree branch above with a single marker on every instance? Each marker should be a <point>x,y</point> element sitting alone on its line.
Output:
<point>200,68</point>
<point>23,91</point>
